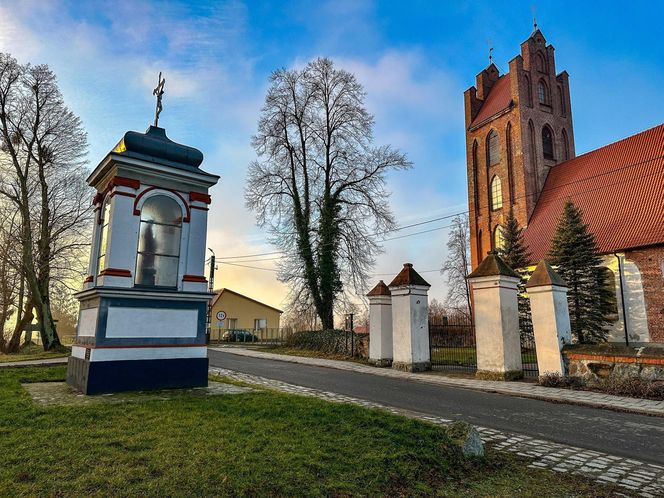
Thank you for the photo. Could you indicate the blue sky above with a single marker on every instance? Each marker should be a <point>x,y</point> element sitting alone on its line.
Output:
<point>415,59</point>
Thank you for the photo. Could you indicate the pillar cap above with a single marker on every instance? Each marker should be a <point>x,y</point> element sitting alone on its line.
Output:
<point>493,265</point>
<point>408,276</point>
<point>380,290</point>
<point>545,275</point>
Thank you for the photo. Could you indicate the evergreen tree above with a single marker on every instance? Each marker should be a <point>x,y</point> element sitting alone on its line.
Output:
<point>513,250</point>
<point>574,252</point>
<point>515,253</point>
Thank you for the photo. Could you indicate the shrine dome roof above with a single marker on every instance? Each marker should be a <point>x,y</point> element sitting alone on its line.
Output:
<point>155,146</point>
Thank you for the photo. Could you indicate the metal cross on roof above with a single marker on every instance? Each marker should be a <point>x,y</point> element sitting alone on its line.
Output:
<point>158,92</point>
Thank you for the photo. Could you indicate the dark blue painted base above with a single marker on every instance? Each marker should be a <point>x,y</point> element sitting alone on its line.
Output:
<point>136,375</point>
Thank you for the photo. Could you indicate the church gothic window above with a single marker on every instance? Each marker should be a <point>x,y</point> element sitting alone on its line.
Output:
<point>508,144</point>
<point>547,143</point>
<point>540,63</point>
<point>543,93</point>
<point>565,145</point>
<point>159,242</point>
<point>493,148</point>
<point>496,193</point>
<point>476,196</point>
<point>498,237</point>
<point>562,101</point>
<point>529,92</point>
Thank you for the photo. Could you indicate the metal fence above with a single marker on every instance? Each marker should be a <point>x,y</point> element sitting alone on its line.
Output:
<point>452,344</point>
<point>267,336</point>
<point>528,351</point>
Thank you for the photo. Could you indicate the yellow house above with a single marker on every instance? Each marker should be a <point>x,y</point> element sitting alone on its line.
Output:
<point>234,311</point>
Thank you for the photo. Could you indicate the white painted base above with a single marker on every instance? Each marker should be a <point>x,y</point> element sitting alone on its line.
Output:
<point>150,323</point>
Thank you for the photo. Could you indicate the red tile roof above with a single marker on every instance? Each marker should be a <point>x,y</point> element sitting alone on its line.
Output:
<point>619,188</point>
<point>499,98</point>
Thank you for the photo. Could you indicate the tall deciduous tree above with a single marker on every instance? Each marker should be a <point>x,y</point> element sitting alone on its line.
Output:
<point>42,157</point>
<point>318,184</point>
<point>515,253</point>
<point>457,266</point>
<point>574,252</point>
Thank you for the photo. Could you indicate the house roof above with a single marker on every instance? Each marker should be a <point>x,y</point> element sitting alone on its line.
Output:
<point>499,98</point>
<point>619,188</point>
<point>218,294</point>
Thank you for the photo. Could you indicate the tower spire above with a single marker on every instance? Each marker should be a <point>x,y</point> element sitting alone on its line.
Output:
<point>534,9</point>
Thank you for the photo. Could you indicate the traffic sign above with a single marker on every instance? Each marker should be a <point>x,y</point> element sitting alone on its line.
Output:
<point>221,315</point>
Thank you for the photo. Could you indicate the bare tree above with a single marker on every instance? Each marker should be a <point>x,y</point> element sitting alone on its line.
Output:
<point>437,311</point>
<point>319,183</point>
<point>42,158</point>
<point>11,280</point>
<point>457,266</point>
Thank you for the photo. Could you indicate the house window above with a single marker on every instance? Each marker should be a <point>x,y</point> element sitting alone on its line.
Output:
<point>103,236</point>
<point>493,148</point>
<point>159,242</point>
<point>232,323</point>
<point>496,193</point>
<point>498,237</point>
<point>543,93</point>
<point>260,323</point>
<point>547,143</point>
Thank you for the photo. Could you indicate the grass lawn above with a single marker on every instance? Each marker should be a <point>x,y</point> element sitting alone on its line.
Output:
<point>261,443</point>
<point>33,352</point>
<point>468,356</point>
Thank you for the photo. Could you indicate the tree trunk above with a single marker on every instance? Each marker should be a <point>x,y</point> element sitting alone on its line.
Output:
<point>26,318</point>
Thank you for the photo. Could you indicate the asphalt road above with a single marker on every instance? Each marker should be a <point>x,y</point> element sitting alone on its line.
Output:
<point>624,434</point>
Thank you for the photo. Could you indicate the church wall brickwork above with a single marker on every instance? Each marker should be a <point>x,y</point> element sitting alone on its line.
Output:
<point>650,262</point>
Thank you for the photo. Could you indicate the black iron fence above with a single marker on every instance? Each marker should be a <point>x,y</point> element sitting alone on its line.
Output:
<point>528,351</point>
<point>267,336</point>
<point>452,344</point>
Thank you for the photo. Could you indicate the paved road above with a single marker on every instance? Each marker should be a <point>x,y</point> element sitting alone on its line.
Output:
<point>628,435</point>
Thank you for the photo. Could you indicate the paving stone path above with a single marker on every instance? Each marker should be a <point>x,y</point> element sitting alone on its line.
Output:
<point>523,389</point>
<point>642,478</point>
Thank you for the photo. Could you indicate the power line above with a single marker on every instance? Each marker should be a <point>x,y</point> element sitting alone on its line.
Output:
<point>467,212</point>
<point>252,255</point>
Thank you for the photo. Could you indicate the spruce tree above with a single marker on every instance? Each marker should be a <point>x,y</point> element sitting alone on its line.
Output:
<point>574,253</point>
<point>515,253</point>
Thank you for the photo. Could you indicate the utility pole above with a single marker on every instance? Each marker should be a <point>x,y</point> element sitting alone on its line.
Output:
<point>208,333</point>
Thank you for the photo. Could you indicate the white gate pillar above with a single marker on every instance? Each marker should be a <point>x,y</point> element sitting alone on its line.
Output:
<point>496,316</point>
<point>410,321</point>
<point>550,315</point>
<point>380,325</point>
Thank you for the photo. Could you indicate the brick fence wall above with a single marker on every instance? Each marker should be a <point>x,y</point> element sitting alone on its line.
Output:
<point>593,363</point>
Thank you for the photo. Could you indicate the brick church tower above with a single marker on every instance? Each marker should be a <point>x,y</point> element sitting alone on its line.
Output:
<point>518,126</point>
